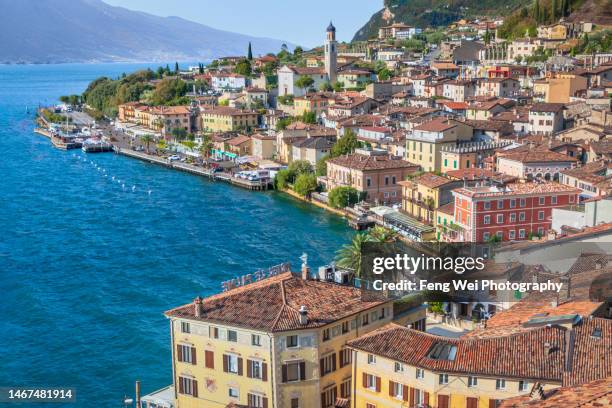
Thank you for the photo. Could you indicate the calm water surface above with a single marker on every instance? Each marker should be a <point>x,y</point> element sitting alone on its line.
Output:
<point>88,266</point>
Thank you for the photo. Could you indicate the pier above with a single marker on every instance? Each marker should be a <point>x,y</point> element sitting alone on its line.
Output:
<point>259,185</point>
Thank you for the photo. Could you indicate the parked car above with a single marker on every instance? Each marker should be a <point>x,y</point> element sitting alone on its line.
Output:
<point>174,158</point>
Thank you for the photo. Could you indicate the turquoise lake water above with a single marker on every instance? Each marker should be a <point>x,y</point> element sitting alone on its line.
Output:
<point>88,267</point>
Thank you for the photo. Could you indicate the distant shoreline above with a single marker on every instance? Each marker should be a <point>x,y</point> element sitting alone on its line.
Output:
<point>205,61</point>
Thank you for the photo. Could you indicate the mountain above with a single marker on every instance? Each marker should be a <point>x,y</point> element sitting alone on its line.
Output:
<point>53,31</point>
<point>433,13</point>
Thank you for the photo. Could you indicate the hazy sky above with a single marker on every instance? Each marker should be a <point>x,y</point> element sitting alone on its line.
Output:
<point>300,22</point>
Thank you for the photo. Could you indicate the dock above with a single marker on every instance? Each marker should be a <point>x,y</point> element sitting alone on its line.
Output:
<point>259,185</point>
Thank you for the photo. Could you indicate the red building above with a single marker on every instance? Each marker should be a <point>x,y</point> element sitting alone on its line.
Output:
<point>512,213</point>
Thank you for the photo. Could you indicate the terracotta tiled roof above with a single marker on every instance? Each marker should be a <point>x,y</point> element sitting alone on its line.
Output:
<point>595,394</point>
<point>363,162</point>
<point>517,189</point>
<point>431,180</point>
<point>547,107</point>
<point>537,156</point>
<point>238,140</point>
<point>272,304</point>
<point>479,174</point>
<point>437,125</point>
<point>529,358</point>
<point>448,209</point>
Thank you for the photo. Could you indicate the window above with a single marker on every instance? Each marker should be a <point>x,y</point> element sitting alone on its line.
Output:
<point>500,204</point>
<point>188,386</point>
<point>369,182</point>
<point>472,382</point>
<point>500,218</point>
<point>186,354</point>
<point>553,200</point>
<point>185,327</point>
<point>542,200</point>
<point>500,384</point>
<point>214,332</point>
<point>371,359</point>
<point>294,371</point>
<point>257,401</point>
<point>295,403</point>
<point>346,357</point>
<point>572,198</point>
<point>540,231</point>
<point>328,364</point>
<point>328,397</point>
<point>540,215</point>
<point>521,233</point>
<point>372,382</point>
<point>499,235</point>
<point>396,390</point>
<point>523,385</point>
<point>486,236</point>
<point>487,219</point>
<point>232,336</point>
<point>522,216</point>
<point>345,389</point>
<point>513,217</point>
<point>345,327</point>
<point>292,341</point>
<point>233,392</point>
<point>443,379</point>
<point>232,364</point>
<point>487,205</point>
<point>513,203</point>
<point>393,180</point>
<point>381,314</point>
<point>386,180</point>
<point>512,234</point>
<point>420,373</point>
<point>255,340</point>
<point>364,320</point>
<point>326,334</point>
<point>255,369</point>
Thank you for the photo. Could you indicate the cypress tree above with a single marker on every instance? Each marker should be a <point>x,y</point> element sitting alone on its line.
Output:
<point>176,68</point>
<point>536,11</point>
<point>250,53</point>
<point>553,10</point>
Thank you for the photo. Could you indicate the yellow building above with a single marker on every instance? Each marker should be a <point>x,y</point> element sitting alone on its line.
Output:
<point>277,342</point>
<point>424,193</point>
<point>400,367</point>
<point>553,32</point>
<point>560,87</point>
<point>226,119</point>
<point>424,146</point>
<point>314,102</point>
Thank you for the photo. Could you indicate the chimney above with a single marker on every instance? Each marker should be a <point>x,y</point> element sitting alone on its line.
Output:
<point>197,306</point>
<point>547,348</point>
<point>537,392</point>
<point>305,267</point>
<point>303,315</point>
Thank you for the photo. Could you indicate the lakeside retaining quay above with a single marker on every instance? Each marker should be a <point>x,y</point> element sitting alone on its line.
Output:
<point>188,168</point>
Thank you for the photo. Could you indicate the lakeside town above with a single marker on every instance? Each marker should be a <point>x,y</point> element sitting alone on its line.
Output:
<point>452,136</point>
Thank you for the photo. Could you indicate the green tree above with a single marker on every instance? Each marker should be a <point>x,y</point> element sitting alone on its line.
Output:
<point>281,180</point>
<point>436,307</point>
<point>304,82</point>
<point>305,184</point>
<point>349,256</point>
<point>326,87</point>
<point>176,68</point>
<point>179,134</point>
<point>206,147</point>
<point>147,139</point>
<point>345,145</point>
<point>553,10</point>
<point>339,86</point>
<point>536,11</point>
<point>300,167</point>
<point>250,52</point>
<point>243,68</point>
<point>343,196</point>
<point>321,166</point>
<point>298,51</point>
<point>169,91</point>
<point>382,235</point>
<point>487,36</point>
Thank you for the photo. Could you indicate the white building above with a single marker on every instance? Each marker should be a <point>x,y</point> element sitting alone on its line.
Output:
<point>227,81</point>
<point>331,53</point>
<point>288,77</point>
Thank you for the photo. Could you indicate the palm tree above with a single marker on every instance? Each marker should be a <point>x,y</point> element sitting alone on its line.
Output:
<point>382,235</point>
<point>349,256</point>
<point>206,147</point>
<point>147,139</point>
